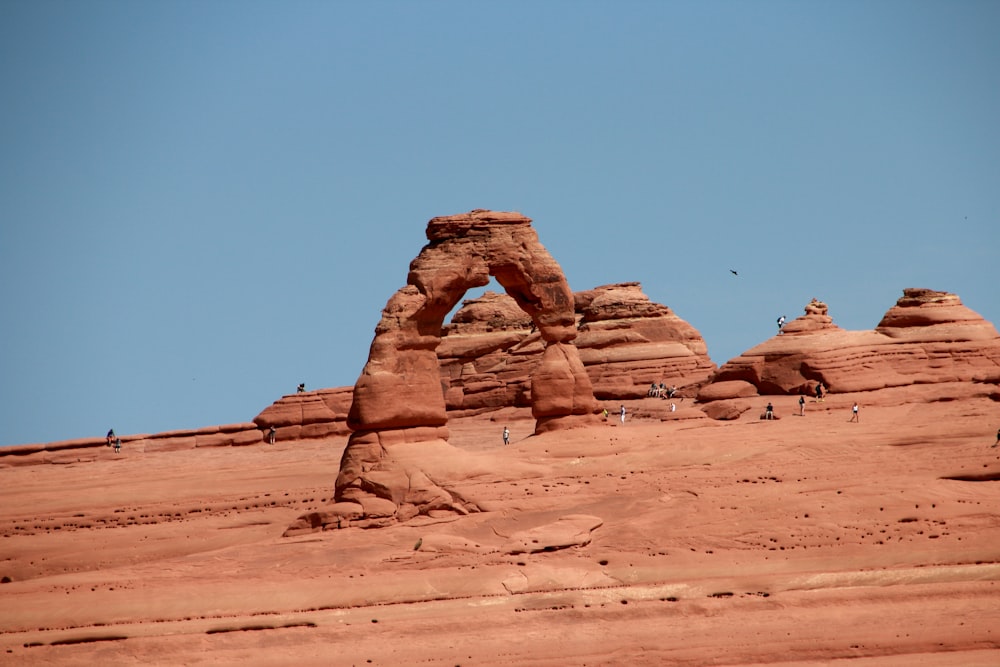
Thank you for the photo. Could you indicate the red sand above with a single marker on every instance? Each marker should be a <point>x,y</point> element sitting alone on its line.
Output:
<point>801,541</point>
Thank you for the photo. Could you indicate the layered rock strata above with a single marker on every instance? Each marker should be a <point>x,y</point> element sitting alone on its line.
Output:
<point>626,343</point>
<point>311,414</point>
<point>928,337</point>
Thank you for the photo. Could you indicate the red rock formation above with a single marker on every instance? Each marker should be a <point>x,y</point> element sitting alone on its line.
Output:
<point>310,414</point>
<point>398,399</point>
<point>626,342</point>
<point>928,337</point>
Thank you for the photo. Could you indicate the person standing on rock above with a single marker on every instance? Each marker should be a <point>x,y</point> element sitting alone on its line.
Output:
<point>819,392</point>
<point>781,323</point>
<point>802,405</point>
<point>769,411</point>
<point>506,435</point>
<point>271,433</point>
<point>623,414</point>
<point>854,413</point>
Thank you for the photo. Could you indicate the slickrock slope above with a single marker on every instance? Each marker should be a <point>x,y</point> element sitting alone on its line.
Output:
<point>626,343</point>
<point>803,542</point>
<point>928,342</point>
<point>90,449</point>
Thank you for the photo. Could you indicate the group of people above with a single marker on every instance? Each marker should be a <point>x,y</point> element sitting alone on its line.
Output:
<point>855,416</point>
<point>661,391</point>
<point>113,440</point>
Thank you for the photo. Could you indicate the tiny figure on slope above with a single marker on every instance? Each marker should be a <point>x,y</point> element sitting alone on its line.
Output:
<point>271,434</point>
<point>623,415</point>
<point>118,445</point>
<point>854,413</point>
<point>301,388</point>
<point>111,437</point>
<point>781,323</point>
<point>506,435</point>
<point>819,392</point>
<point>769,411</point>
<point>802,405</point>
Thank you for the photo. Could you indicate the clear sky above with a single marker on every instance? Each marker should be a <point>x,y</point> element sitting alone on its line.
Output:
<point>205,203</point>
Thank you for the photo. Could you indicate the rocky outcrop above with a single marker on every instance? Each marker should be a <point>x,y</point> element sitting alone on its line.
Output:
<point>928,337</point>
<point>310,414</point>
<point>626,342</point>
<point>398,405</point>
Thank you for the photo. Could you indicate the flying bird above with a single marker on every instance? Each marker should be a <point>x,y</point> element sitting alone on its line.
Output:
<point>733,272</point>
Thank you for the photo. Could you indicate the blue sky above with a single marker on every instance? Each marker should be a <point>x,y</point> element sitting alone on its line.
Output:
<point>203,204</point>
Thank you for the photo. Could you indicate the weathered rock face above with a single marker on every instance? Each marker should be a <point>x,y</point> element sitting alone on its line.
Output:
<point>311,414</point>
<point>626,342</point>
<point>928,337</point>
<point>926,315</point>
<point>398,399</point>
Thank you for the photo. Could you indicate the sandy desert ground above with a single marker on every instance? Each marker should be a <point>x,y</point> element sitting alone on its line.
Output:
<point>803,541</point>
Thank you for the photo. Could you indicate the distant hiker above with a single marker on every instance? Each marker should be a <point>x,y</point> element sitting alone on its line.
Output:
<point>111,437</point>
<point>802,405</point>
<point>506,435</point>
<point>623,415</point>
<point>606,416</point>
<point>664,390</point>
<point>272,432</point>
<point>769,411</point>
<point>653,391</point>
<point>673,407</point>
<point>301,388</point>
<point>671,391</point>
<point>781,323</point>
<point>118,445</point>
<point>819,392</point>
<point>854,415</point>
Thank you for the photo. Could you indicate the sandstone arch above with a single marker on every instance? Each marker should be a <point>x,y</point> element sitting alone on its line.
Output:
<point>398,415</point>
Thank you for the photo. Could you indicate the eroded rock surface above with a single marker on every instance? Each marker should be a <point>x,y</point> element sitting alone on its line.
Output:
<point>626,343</point>
<point>927,338</point>
<point>399,403</point>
